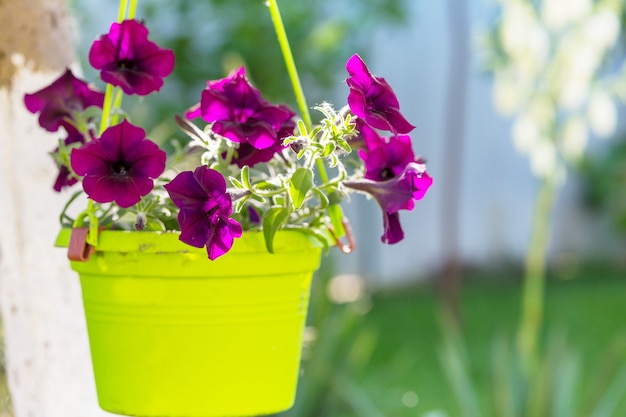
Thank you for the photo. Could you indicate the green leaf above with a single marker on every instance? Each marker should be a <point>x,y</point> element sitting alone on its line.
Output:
<point>266,186</point>
<point>302,128</point>
<point>258,198</point>
<point>273,219</point>
<point>321,235</point>
<point>321,196</point>
<point>240,203</point>
<point>155,224</point>
<point>344,145</point>
<point>300,184</point>
<point>330,148</point>
<point>315,132</point>
<point>236,183</point>
<point>245,176</point>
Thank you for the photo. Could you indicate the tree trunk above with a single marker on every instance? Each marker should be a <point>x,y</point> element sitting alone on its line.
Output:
<point>47,354</point>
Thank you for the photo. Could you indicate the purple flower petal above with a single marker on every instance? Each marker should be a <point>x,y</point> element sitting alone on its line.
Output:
<point>249,155</point>
<point>259,134</point>
<point>214,106</point>
<point>384,160</point>
<point>372,99</point>
<point>65,178</point>
<point>120,166</point>
<point>393,230</point>
<point>185,191</point>
<point>194,227</point>
<point>58,103</point>
<point>221,240</point>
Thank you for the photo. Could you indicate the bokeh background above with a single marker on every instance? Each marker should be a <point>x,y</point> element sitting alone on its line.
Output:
<point>378,343</point>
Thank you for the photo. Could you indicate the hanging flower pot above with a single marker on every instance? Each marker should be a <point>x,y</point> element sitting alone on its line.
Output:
<point>175,334</point>
<point>197,308</point>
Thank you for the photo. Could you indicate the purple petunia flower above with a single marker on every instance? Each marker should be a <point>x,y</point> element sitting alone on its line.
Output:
<point>58,103</point>
<point>238,112</point>
<point>65,178</point>
<point>205,209</point>
<point>372,99</point>
<point>398,193</point>
<point>127,59</point>
<point>119,166</point>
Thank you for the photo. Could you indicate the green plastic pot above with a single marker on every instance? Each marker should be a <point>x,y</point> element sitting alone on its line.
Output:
<point>175,334</point>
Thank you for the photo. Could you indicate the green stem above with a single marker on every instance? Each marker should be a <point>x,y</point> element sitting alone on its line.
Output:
<point>92,238</point>
<point>90,213</point>
<point>281,34</point>
<point>535,276</point>
<point>106,108</point>
<point>109,103</point>
<point>335,212</point>
<point>132,9</point>
<point>121,12</point>
<point>117,104</point>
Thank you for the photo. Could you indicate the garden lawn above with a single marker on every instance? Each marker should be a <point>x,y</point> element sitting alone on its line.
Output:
<point>389,366</point>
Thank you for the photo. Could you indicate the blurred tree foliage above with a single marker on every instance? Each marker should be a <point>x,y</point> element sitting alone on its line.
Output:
<point>604,179</point>
<point>212,37</point>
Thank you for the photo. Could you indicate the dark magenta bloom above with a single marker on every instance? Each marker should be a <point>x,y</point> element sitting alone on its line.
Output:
<point>238,112</point>
<point>205,209</point>
<point>398,193</point>
<point>372,99</point>
<point>65,178</point>
<point>58,103</point>
<point>127,59</point>
<point>120,166</point>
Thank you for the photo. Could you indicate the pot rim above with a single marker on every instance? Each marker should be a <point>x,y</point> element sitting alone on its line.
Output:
<point>125,241</point>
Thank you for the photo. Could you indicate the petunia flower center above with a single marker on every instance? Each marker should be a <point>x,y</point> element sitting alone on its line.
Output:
<point>126,64</point>
<point>120,169</point>
<point>386,174</point>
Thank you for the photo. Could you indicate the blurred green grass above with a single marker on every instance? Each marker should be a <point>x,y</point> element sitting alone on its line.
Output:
<point>386,363</point>
<point>403,377</point>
